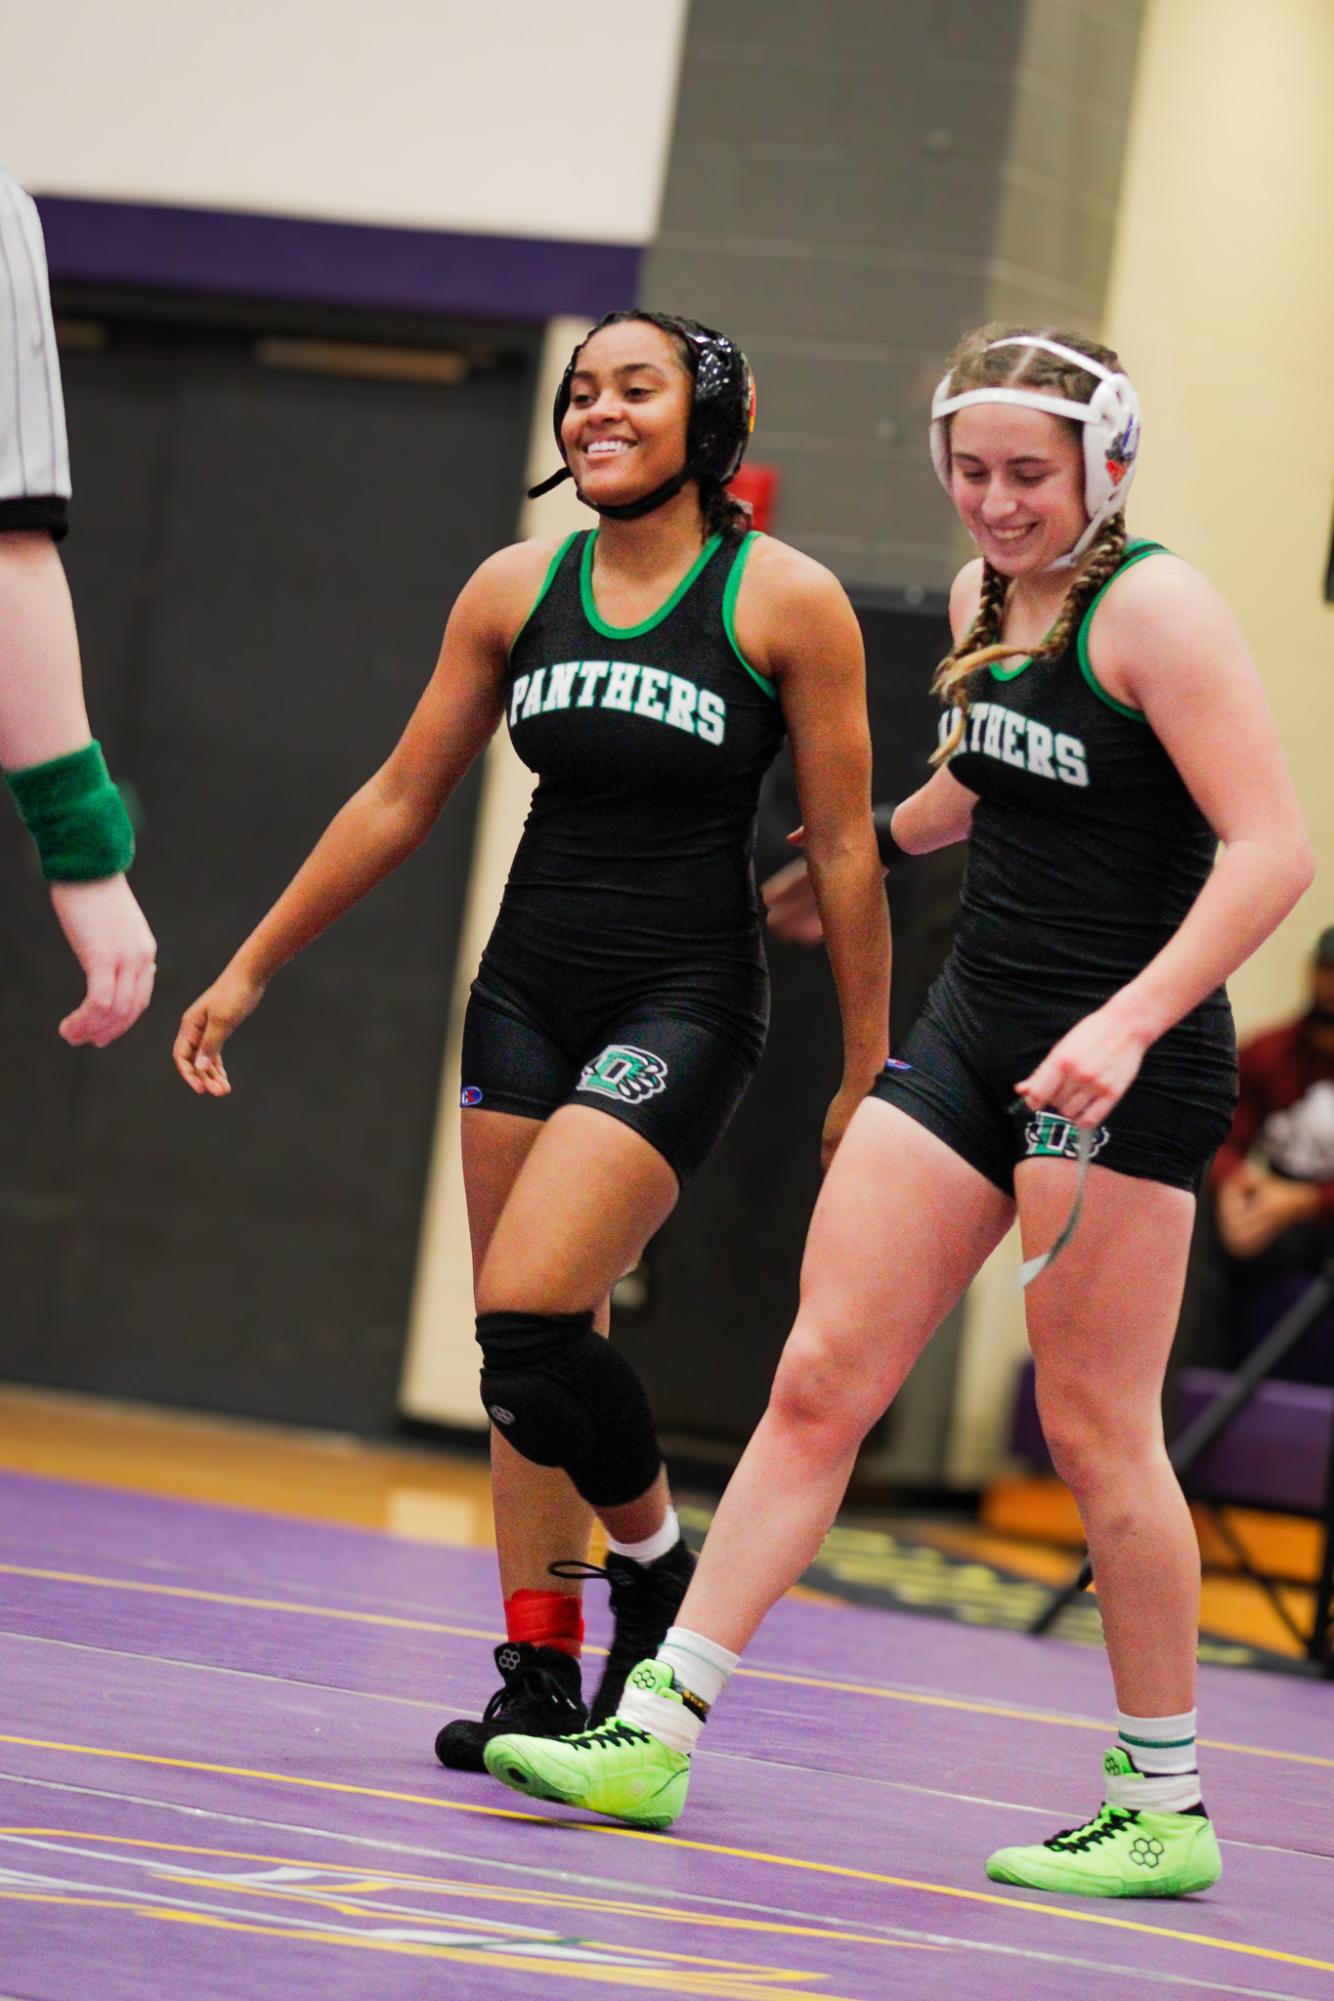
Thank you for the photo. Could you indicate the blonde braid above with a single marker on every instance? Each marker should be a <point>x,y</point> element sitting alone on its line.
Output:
<point>1099,564</point>
<point>980,645</point>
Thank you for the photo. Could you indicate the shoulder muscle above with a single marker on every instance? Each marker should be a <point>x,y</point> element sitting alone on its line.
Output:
<point>499,594</point>
<point>790,607</point>
<point>1162,620</point>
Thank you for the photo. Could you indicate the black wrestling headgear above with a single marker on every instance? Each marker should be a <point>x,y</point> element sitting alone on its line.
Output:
<point>722,415</point>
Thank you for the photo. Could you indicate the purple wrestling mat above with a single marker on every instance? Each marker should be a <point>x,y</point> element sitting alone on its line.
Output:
<point>217,1783</point>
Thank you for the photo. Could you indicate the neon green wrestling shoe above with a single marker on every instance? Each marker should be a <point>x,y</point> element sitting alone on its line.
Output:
<point>618,1770</point>
<point>1121,1852</point>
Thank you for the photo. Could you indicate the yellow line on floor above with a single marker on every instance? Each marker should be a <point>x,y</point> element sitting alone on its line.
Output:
<point>1013,1715</point>
<point>722,1985</point>
<point>490,1893</point>
<point>912,1696</point>
<point>190,1592</point>
<point>1056,1911</point>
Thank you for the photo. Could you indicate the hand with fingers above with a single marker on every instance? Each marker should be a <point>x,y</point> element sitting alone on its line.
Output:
<point>789,900</point>
<point>1090,1069</point>
<point>1255,1207</point>
<point>221,1008</point>
<point>109,936</point>
<point>792,912</point>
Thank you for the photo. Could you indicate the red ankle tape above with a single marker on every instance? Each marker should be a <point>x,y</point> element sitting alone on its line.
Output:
<point>545,1619</point>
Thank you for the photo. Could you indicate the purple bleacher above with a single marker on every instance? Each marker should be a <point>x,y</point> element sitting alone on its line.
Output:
<point>1274,1454</point>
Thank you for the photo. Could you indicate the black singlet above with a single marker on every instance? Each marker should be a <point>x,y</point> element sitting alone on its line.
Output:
<point>626,967</point>
<point>1086,853</point>
<point>650,742</point>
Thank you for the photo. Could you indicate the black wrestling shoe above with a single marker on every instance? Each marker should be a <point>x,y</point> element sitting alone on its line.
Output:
<point>645,1599</point>
<point>540,1697</point>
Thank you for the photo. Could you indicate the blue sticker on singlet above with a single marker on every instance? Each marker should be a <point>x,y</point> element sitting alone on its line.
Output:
<point>893,1063</point>
<point>470,1095</point>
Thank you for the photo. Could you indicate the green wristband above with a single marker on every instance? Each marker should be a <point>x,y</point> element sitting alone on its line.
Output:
<point>75,815</point>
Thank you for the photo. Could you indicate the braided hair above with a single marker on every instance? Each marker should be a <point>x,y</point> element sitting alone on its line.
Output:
<point>723,513</point>
<point>977,364</point>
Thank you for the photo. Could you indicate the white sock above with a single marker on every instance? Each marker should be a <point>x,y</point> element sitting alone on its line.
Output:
<point>653,1546</point>
<point>1162,1748</point>
<point>698,1664</point>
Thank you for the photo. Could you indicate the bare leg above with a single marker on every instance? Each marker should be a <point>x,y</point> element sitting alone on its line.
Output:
<point>587,1197</point>
<point>901,1226</point>
<point>1101,1324</point>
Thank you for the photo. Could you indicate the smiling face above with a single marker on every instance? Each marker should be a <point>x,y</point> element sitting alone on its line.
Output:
<point>1017,480</point>
<point>624,431</point>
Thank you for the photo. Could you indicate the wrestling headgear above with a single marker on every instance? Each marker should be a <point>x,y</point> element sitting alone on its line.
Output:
<point>722,413</point>
<point>1111,429</point>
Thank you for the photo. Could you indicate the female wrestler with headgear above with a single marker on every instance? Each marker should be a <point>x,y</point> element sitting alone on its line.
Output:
<point>648,672</point>
<point>1104,731</point>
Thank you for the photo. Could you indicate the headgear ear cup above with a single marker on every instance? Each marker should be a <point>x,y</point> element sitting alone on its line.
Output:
<point>1111,447</point>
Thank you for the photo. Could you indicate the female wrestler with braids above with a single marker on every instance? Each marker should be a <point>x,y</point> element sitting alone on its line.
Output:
<point>1105,731</point>
<point>647,673</point>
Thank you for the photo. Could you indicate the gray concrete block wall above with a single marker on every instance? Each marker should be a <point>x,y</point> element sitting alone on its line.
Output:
<point>852,186</point>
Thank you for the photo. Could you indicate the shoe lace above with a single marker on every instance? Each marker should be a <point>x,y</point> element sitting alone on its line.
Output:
<point>534,1682</point>
<point>644,1601</point>
<point>639,1596</point>
<point>611,1734</point>
<point>1106,1823</point>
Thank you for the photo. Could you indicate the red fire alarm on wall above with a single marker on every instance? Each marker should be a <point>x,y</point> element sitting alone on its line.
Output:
<point>757,485</point>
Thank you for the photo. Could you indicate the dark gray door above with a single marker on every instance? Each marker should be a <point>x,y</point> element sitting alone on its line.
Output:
<point>266,540</point>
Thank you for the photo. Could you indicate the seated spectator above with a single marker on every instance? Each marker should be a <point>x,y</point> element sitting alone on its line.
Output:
<point>1273,1180</point>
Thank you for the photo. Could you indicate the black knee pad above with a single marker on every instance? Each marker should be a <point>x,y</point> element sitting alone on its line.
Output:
<point>563,1396</point>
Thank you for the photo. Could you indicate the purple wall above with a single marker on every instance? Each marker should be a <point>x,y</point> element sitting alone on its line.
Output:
<point>352,265</point>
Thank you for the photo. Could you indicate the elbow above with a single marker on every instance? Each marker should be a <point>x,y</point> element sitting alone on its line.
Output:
<point>406,813</point>
<point>412,825</point>
<point>1303,873</point>
<point>842,846</point>
<point>1299,871</point>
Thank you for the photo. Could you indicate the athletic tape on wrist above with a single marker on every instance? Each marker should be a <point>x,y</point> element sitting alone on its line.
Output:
<point>75,815</point>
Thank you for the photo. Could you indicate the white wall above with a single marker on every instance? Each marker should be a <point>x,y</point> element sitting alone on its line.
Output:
<point>508,117</point>
<point>1222,297</point>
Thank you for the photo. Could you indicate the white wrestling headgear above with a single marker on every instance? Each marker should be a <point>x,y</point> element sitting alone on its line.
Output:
<point>1111,430</point>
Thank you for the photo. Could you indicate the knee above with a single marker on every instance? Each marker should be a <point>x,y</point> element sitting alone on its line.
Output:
<point>1095,1444</point>
<point>505,1284</point>
<point>816,1395</point>
<point>562,1396</point>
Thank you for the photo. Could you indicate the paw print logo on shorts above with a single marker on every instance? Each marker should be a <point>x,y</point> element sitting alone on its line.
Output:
<point>508,1659</point>
<point>1146,1852</point>
<point>500,1414</point>
<point>643,1676</point>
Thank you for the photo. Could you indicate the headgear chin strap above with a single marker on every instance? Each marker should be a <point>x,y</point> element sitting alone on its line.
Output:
<point>1110,418</point>
<point>722,413</point>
